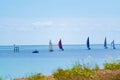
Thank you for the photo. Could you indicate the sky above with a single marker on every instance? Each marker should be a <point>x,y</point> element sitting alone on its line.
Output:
<point>35,22</point>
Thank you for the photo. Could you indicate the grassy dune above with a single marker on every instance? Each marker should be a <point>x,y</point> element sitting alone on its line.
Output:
<point>111,71</point>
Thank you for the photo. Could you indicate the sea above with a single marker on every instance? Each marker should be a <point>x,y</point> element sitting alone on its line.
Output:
<point>25,63</point>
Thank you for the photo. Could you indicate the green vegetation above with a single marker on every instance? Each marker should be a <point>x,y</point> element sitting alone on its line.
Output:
<point>112,66</point>
<point>77,72</point>
<point>1,79</point>
<point>36,77</point>
<point>111,71</point>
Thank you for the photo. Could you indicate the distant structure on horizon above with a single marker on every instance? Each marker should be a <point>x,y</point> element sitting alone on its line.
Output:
<point>16,49</point>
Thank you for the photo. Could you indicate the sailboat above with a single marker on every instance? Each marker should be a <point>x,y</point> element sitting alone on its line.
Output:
<point>88,44</point>
<point>60,45</point>
<point>105,43</point>
<point>50,46</point>
<point>113,44</point>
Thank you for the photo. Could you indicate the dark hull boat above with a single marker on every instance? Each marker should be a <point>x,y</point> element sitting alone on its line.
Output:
<point>60,45</point>
<point>105,43</point>
<point>35,51</point>
<point>88,44</point>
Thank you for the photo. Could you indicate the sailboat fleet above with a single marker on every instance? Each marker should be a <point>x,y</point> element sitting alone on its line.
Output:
<point>87,44</point>
<point>112,44</point>
<point>60,46</point>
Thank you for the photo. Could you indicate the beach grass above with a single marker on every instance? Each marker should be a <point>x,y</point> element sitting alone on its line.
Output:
<point>112,66</point>
<point>79,72</point>
<point>111,71</point>
<point>38,76</point>
<point>1,79</point>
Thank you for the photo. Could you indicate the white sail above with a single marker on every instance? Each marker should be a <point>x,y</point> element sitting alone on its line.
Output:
<point>50,46</point>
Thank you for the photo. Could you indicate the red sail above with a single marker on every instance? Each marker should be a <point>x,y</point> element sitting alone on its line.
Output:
<point>59,44</point>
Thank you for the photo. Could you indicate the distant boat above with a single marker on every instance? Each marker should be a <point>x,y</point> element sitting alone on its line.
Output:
<point>50,46</point>
<point>88,44</point>
<point>105,43</point>
<point>113,44</point>
<point>35,51</point>
<point>60,45</point>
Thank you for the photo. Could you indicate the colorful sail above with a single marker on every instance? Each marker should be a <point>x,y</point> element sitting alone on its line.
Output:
<point>60,45</point>
<point>105,43</point>
<point>50,46</point>
<point>88,44</point>
<point>113,44</point>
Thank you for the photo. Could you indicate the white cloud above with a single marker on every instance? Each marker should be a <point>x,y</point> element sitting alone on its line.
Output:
<point>43,23</point>
<point>81,24</point>
<point>15,24</point>
<point>69,29</point>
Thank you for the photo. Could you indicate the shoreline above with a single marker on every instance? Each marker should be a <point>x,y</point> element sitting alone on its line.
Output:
<point>102,74</point>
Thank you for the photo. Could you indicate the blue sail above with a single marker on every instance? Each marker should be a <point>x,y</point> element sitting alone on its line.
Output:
<point>113,44</point>
<point>105,43</point>
<point>88,44</point>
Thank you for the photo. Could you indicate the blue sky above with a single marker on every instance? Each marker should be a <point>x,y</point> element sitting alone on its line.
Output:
<point>38,21</point>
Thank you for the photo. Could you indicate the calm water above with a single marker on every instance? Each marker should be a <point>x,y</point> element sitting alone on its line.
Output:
<point>25,62</point>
